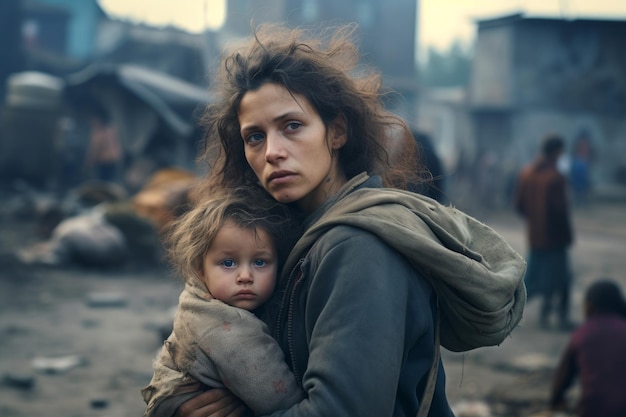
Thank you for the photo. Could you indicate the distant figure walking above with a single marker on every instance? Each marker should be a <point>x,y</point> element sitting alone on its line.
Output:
<point>580,169</point>
<point>104,155</point>
<point>595,354</point>
<point>541,197</point>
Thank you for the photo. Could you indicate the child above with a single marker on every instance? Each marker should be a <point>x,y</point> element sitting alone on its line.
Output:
<point>228,255</point>
<point>596,353</point>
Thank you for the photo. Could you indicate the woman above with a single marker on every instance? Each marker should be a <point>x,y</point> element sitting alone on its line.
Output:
<point>354,312</point>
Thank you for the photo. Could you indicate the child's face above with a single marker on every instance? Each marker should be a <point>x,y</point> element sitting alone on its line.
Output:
<point>240,266</point>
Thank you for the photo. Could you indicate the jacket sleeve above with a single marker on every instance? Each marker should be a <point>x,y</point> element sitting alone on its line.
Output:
<point>169,387</point>
<point>356,323</point>
<point>249,362</point>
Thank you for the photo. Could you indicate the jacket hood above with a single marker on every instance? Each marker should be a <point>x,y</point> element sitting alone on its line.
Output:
<point>476,274</point>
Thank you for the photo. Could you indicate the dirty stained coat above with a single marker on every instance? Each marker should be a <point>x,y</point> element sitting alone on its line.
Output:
<point>217,345</point>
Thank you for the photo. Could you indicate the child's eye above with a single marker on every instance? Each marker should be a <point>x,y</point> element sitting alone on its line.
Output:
<point>259,263</point>
<point>229,263</point>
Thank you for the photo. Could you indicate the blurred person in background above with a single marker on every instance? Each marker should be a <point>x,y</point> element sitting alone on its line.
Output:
<point>580,167</point>
<point>541,197</point>
<point>104,155</point>
<point>595,354</point>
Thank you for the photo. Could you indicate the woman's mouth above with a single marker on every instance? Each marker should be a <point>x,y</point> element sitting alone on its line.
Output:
<point>279,177</point>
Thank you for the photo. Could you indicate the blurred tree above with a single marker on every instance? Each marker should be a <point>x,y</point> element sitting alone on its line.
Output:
<point>11,53</point>
<point>449,68</point>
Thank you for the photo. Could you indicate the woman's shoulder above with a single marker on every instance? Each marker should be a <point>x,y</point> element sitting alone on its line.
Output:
<point>356,246</point>
<point>349,235</point>
<point>360,261</point>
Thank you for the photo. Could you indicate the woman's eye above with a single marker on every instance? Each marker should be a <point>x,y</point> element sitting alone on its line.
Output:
<point>228,263</point>
<point>293,125</point>
<point>259,263</point>
<point>254,138</point>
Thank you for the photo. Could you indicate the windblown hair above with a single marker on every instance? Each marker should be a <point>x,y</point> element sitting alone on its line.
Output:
<point>251,208</point>
<point>324,71</point>
<point>605,296</point>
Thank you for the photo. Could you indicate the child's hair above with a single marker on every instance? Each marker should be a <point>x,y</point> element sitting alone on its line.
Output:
<point>251,208</point>
<point>324,70</point>
<point>605,296</point>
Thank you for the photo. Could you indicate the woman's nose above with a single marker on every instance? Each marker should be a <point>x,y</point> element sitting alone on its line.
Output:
<point>274,149</point>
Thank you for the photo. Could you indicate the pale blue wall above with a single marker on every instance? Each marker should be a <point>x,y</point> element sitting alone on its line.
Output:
<point>83,25</point>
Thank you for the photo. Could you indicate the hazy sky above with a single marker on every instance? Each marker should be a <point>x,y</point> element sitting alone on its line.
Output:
<point>192,15</point>
<point>441,21</point>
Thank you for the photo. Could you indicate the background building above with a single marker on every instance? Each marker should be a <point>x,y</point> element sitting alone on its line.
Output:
<point>534,75</point>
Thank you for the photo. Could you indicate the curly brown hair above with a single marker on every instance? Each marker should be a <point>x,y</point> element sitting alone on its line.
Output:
<point>324,70</point>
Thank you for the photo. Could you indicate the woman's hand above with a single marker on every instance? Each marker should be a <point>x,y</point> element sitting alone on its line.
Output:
<point>212,403</point>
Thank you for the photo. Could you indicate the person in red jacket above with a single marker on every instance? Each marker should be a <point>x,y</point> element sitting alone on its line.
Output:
<point>595,354</point>
<point>542,198</point>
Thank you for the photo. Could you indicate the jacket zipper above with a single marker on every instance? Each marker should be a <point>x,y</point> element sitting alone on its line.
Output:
<point>286,307</point>
<point>292,352</point>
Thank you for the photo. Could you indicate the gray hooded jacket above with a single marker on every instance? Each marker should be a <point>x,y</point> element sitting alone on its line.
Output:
<point>477,275</point>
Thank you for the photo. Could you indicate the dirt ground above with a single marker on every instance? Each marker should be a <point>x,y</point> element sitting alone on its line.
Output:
<point>79,343</point>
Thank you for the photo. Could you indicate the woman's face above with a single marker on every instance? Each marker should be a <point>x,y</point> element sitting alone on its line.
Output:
<point>289,148</point>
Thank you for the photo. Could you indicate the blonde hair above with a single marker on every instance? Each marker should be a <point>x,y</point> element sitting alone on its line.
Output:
<point>191,235</point>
